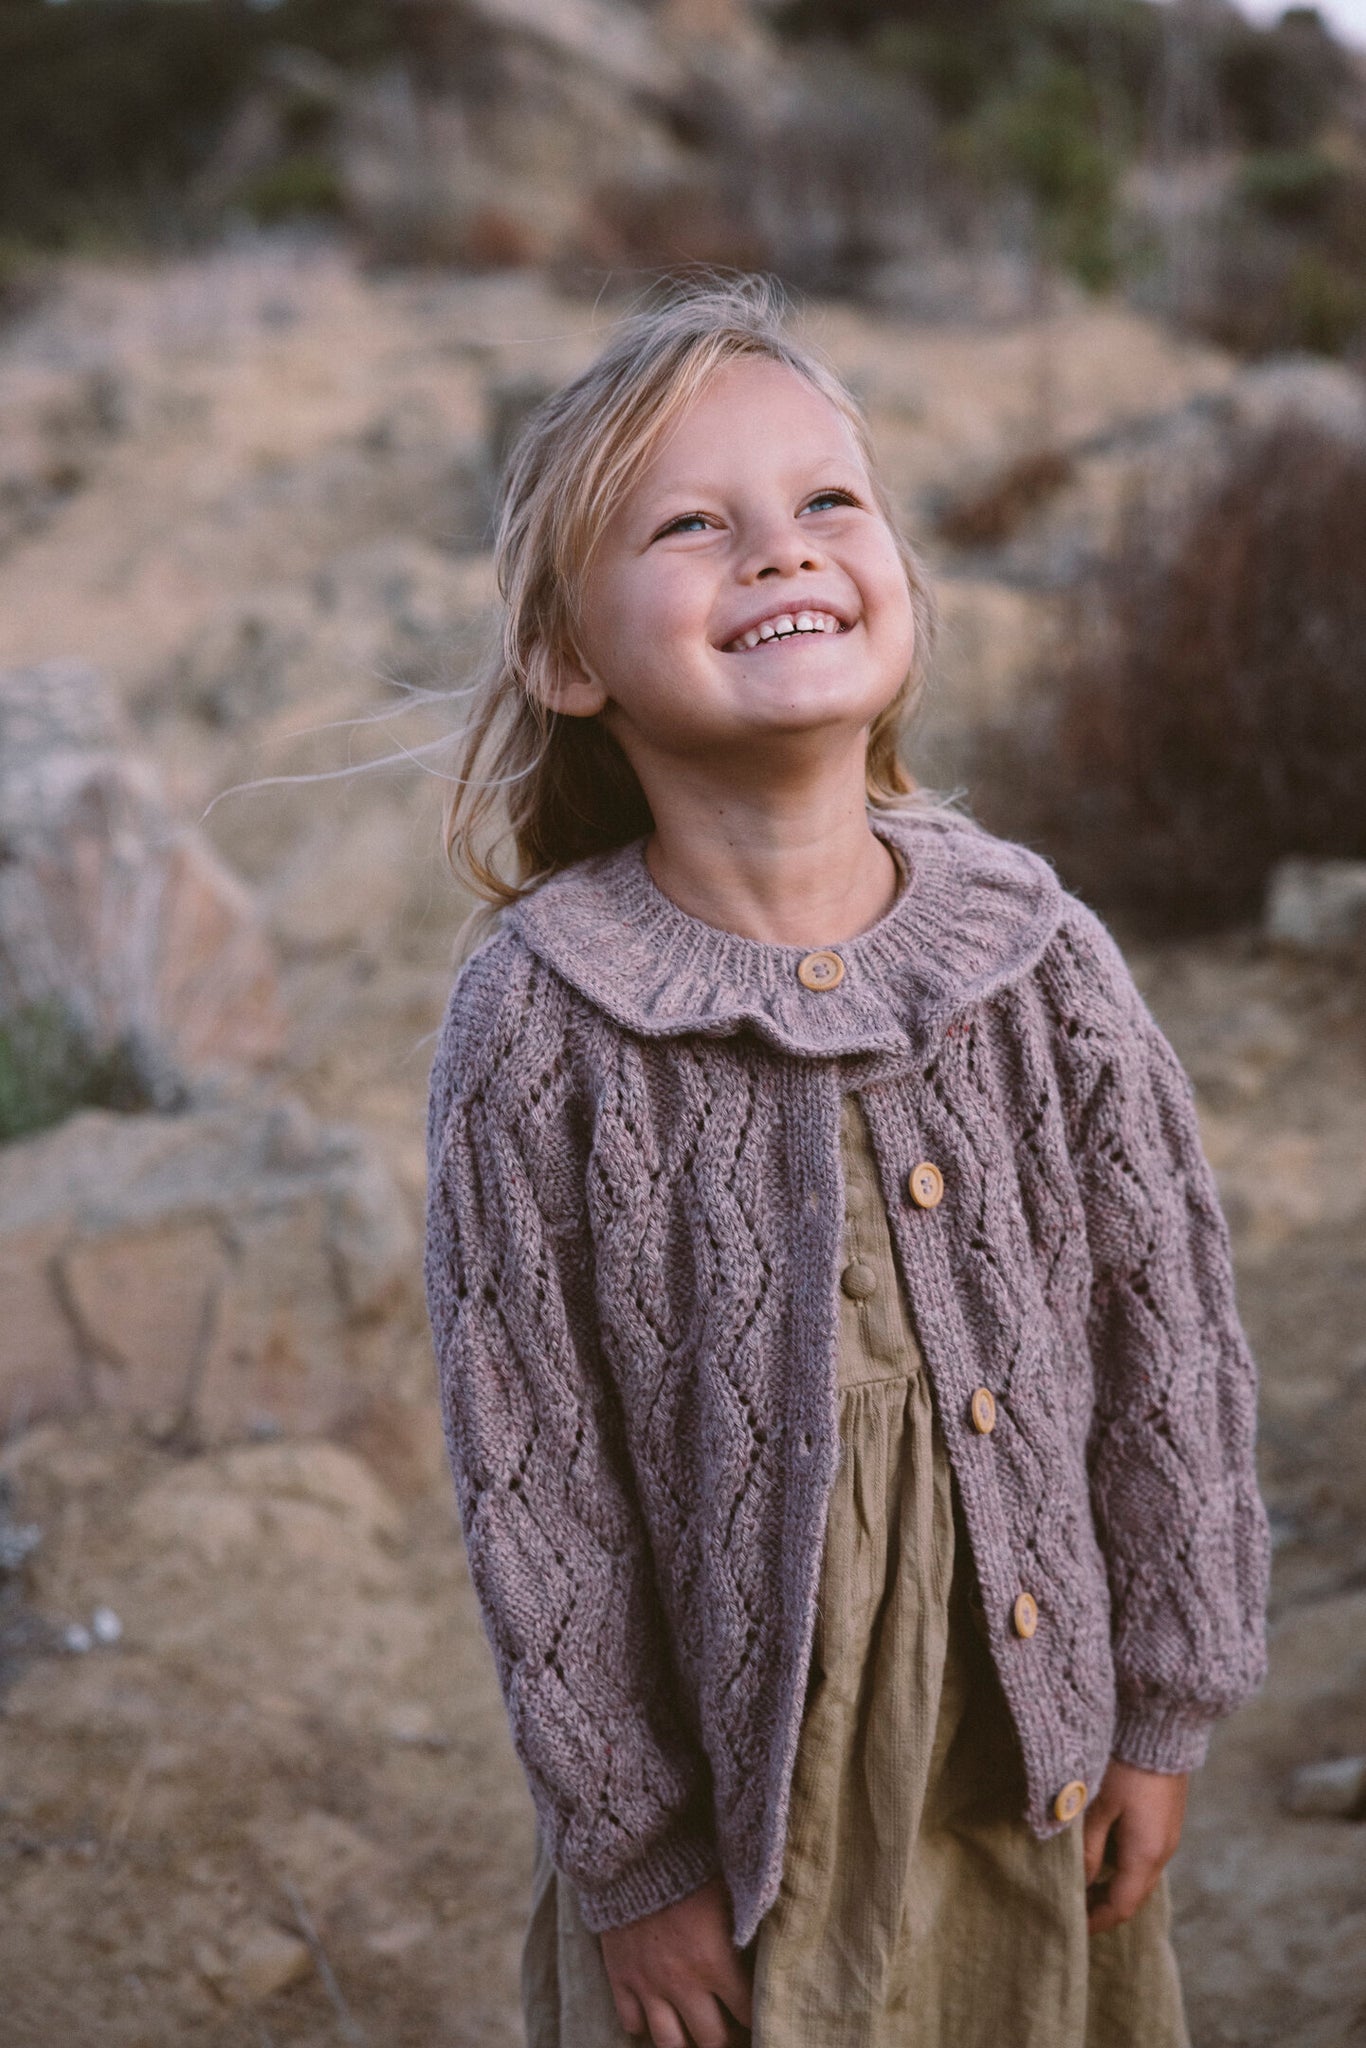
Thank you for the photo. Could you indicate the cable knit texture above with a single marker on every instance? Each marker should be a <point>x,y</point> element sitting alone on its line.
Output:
<point>634,1239</point>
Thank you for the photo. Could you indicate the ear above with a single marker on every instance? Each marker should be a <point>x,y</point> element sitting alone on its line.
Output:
<point>563,686</point>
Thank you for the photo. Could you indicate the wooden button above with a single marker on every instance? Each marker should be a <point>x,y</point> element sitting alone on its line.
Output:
<point>1025,1615</point>
<point>1070,1801</point>
<point>983,1411</point>
<point>858,1281</point>
<point>926,1184</point>
<point>820,970</point>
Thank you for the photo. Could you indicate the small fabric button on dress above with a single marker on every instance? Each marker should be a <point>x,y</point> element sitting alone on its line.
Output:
<point>858,1280</point>
<point>926,1185</point>
<point>1025,1615</point>
<point>820,970</point>
<point>983,1411</point>
<point>1070,1801</point>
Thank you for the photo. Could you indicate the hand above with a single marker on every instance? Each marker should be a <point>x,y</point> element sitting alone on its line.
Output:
<point>678,1973</point>
<point>1145,1810</point>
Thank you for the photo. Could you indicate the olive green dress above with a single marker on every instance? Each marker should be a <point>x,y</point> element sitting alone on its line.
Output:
<point>916,1909</point>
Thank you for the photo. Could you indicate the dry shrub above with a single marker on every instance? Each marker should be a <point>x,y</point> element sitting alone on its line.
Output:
<point>49,1068</point>
<point>1208,712</point>
<point>990,511</point>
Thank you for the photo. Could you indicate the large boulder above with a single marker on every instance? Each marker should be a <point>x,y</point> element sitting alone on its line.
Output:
<point>111,910</point>
<point>526,131</point>
<point>216,1273</point>
<point>1318,905</point>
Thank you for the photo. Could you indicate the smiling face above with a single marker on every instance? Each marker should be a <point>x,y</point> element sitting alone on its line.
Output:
<point>747,588</point>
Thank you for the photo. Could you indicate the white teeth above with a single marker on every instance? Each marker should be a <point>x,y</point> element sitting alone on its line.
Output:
<point>784,626</point>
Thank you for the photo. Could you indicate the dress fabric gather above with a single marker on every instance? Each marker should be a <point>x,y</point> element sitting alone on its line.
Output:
<point>916,1909</point>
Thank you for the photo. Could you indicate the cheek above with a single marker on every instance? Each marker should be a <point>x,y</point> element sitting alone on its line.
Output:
<point>896,612</point>
<point>632,614</point>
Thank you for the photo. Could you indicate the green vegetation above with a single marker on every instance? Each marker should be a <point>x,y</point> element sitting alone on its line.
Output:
<point>299,186</point>
<point>1044,136</point>
<point>109,107</point>
<point>1325,305</point>
<point>1292,185</point>
<point>1036,112</point>
<point>1060,100</point>
<point>49,1069</point>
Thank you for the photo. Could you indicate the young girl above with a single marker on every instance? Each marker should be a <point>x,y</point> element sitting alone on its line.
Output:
<point>850,1420</point>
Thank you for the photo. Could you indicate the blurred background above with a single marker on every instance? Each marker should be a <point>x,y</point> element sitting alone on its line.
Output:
<point>278,284</point>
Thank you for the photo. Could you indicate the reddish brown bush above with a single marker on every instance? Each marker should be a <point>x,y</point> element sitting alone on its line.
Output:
<point>1209,712</point>
<point>990,511</point>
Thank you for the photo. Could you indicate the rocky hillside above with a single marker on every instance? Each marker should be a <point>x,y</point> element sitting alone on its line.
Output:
<point>254,1780</point>
<point>916,154</point>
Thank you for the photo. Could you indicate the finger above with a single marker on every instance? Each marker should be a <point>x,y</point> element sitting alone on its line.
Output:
<point>735,1987</point>
<point>629,2010</point>
<point>1095,1834</point>
<point>1124,1894</point>
<point>708,2026</point>
<point>666,2028</point>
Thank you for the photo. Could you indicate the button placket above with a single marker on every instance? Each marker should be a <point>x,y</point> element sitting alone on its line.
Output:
<point>873,1308</point>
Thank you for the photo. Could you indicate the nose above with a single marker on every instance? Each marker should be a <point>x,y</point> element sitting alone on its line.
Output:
<point>776,547</point>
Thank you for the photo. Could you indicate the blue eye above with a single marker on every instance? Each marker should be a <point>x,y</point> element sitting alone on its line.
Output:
<point>685,521</point>
<point>830,497</point>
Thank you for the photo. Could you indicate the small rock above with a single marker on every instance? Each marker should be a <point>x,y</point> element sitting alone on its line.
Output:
<point>256,1961</point>
<point>105,1625</point>
<point>397,1939</point>
<point>1335,1789</point>
<point>412,1724</point>
<point>265,1961</point>
<point>211,1963</point>
<point>1319,905</point>
<point>1302,391</point>
<point>18,1541</point>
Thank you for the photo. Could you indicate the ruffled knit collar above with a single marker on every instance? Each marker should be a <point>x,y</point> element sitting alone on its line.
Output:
<point>975,912</point>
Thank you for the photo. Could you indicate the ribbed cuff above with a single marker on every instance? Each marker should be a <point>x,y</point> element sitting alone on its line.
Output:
<point>672,1869</point>
<point>1152,1737</point>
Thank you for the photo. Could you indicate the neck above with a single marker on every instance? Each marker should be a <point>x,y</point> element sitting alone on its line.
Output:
<point>790,867</point>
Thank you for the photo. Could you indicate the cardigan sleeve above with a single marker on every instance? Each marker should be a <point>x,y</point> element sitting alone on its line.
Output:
<point>558,1552</point>
<point>1171,1452</point>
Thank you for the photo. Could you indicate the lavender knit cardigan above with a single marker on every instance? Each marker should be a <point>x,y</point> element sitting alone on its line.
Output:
<point>633,1247</point>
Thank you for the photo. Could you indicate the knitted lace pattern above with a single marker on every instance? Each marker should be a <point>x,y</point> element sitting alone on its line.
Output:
<point>633,1247</point>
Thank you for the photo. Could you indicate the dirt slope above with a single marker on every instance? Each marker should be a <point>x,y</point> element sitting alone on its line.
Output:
<point>282,1806</point>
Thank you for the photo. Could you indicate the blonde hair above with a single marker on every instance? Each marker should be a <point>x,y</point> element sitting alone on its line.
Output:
<point>568,787</point>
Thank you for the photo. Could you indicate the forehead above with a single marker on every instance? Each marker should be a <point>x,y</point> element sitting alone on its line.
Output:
<point>755,411</point>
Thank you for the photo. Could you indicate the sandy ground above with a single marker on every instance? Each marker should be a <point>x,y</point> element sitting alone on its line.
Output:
<point>282,1807</point>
